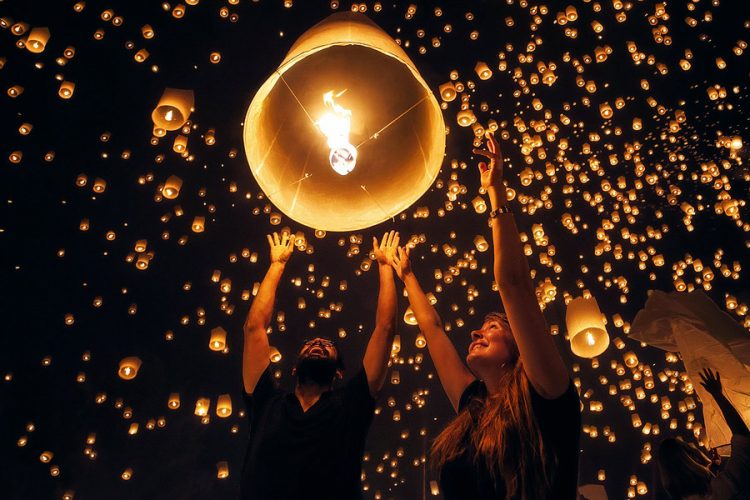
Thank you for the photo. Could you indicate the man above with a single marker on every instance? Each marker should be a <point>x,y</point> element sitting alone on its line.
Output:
<point>308,444</point>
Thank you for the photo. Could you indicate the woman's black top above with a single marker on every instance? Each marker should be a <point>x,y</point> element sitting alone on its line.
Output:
<point>559,421</point>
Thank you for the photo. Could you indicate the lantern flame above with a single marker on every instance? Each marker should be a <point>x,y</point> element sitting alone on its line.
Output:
<point>590,340</point>
<point>335,126</point>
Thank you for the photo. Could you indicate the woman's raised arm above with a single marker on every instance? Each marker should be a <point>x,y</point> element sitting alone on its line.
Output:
<point>541,360</point>
<point>453,373</point>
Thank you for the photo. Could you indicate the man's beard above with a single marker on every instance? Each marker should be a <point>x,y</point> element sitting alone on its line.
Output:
<point>320,371</point>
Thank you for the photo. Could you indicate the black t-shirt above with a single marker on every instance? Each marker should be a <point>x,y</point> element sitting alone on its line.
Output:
<point>559,422</point>
<point>293,454</point>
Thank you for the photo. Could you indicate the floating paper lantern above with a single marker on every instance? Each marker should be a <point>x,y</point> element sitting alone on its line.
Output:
<point>174,401</point>
<point>447,91</point>
<point>222,470</point>
<point>586,330</point>
<point>37,40</point>
<point>483,71</point>
<point>199,224</point>
<point>409,317</point>
<point>202,406</point>
<point>481,243</point>
<point>172,187</point>
<point>466,118</point>
<point>66,90</point>
<point>345,133</point>
<point>173,108</point>
<point>129,367</point>
<point>224,406</point>
<point>218,339</point>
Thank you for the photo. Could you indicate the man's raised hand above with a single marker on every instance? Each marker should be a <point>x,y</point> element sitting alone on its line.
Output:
<point>386,249</point>
<point>281,247</point>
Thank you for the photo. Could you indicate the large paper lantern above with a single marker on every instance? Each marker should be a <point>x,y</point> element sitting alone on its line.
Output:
<point>586,330</point>
<point>345,133</point>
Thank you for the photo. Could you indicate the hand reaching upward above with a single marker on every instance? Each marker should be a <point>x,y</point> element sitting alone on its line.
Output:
<point>401,263</point>
<point>386,249</point>
<point>711,381</point>
<point>281,247</point>
<point>491,175</point>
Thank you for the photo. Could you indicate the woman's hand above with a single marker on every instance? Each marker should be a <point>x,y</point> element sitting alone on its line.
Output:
<point>281,247</point>
<point>711,381</point>
<point>491,175</point>
<point>400,262</point>
<point>387,248</point>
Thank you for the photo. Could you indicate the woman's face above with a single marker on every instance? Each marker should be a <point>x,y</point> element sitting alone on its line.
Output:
<point>492,345</point>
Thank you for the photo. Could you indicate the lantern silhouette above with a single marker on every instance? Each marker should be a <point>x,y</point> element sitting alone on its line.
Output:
<point>345,133</point>
<point>586,330</point>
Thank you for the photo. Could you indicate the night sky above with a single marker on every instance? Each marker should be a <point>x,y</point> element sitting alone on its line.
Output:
<point>74,304</point>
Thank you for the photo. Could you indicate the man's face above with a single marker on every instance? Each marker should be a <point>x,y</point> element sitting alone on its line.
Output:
<point>318,348</point>
<point>317,362</point>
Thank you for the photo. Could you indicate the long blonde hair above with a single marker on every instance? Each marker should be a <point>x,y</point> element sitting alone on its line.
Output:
<point>504,433</point>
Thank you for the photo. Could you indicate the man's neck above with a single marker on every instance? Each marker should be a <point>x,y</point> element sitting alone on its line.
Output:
<point>308,394</point>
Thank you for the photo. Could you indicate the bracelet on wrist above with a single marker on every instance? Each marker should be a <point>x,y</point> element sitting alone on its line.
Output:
<point>502,209</point>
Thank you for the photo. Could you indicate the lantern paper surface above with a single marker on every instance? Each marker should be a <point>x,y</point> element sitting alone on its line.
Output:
<point>348,66</point>
<point>706,337</point>
<point>588,335</point>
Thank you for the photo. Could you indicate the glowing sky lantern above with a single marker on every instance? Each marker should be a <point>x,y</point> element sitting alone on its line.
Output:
<point>345,96</point>
<point>586,329</point>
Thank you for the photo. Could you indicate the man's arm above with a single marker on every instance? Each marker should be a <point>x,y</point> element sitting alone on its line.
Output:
<point>541,360</point>
<point>256,351</point>
<point>451,370</point>
<point>379,347</point>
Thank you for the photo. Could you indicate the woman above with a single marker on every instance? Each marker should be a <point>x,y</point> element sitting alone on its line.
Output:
<point>687,473</point>
<point>518,424</point>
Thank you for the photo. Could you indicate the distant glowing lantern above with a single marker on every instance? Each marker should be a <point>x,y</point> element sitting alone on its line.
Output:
<point>224,406</point>
<point>174,401</point>
<point>345,133</point>
<point>129,367</point>
<point>396,345</point>
<point>483,71</point>
<point>409,317</point>
<point>66,90</point>
<point>466,118</point>
<point>222,470</point>
<point>481,243</point>
<point>199,224</point>
<point>273,354</point>
<point>173,108</point>
<point>172,187</point>
<point>218,339</point>
<point>37,40</point>
<point>631,360</point>
<point>586,330</point>
<point>447,91</point>
<point>202,406</point>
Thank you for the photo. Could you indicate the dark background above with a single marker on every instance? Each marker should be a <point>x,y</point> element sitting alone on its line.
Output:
<point>41,209</point>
